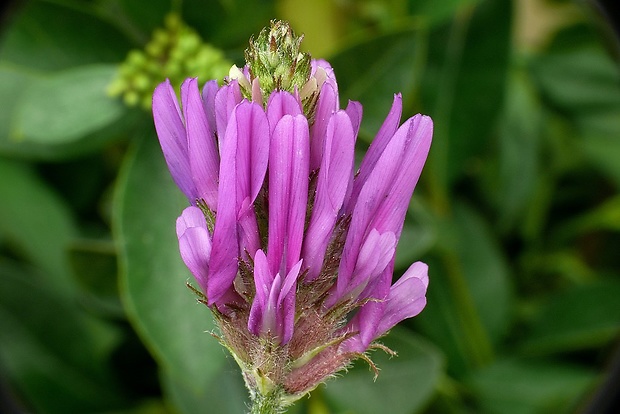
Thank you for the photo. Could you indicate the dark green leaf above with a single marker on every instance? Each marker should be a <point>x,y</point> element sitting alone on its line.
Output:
<point>225,393</point>
<point>469,296</point>
<point>406,382</point>
<point>94,265</point>
<point>36,223</point>
<point>579,80</point>
<point>52,352</point>
<point>463,85</point>
<point>163,310</point>
<point>47,36</point>
<point>438,11</point>
<point>373,71</point>
<point>514,179</point>
<point>67,106</point>
<point>582,317</point>
<point>63,122</point>
<point>529,387</point>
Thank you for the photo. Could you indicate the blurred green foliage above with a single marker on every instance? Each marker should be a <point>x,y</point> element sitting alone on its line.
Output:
<point>517,212</point>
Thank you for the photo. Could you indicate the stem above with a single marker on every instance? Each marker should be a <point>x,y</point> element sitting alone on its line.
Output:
<point>267,404</point>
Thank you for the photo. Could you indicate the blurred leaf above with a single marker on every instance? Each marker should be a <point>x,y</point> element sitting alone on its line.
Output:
<point>53,352</point>
<point>582,81</point>
<point>438,11</point>
<point>162,309</point>
<point>229,23</point>
<point>225,393</point>
<point>47,36</point>
<point>419,235</point>
<point>529,387</point>
<point>67,105</point>
<point>469,296</point>
<point>144,19</point>
<point>600,132</point>
<point>583,317</point>
<point>36,223</point>
<point>46,118</point>
<point>373,71</point>
<point>578,80</point>
<point>94,265</point>
<point>463,85</point>
<point>519,152</point>
<point>406,381</point>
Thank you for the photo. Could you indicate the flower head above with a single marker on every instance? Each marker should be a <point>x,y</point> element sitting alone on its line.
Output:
<point>293,252</point>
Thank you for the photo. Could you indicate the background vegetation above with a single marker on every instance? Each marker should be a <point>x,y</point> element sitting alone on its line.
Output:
<point>517,211</point>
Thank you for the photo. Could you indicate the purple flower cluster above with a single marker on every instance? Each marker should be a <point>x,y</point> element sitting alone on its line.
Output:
<point>293,251</point>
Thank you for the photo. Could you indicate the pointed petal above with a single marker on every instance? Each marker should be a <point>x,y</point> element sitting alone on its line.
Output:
<point>355,110</point>
<point>286,304</point>
<point>385,196</point>
<point>263,281</point>
<point>390,215</point>
<point>252,129</point>
<point>226,99</point>
<point>288,192</point>
<point>334,175</point>
<point>326,106</point>
<point>208,99</point>
<point>172,137</point>
<point>245,152</point>
<point>203,155</point>
<point>383,137</point>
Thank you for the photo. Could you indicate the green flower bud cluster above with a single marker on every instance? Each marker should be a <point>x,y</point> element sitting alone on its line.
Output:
<point>175,52</point>
<point>275,59</point>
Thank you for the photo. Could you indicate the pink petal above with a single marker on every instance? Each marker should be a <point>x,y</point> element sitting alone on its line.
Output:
<point>245,151</point>
<point>172,137</point>
<point>334,174</point>
<point>326,106</point>
<point>195,248</point>
<point>226,99</point>
<point>203,155</point>
<point>191,217</point>
<point>281,103</point>
<point>383,137</point>
<point>406,299</point>
<point>288,192</point>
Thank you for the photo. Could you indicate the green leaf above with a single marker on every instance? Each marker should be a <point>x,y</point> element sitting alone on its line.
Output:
<point>406,381</point>
<point>48,36</point>
<point>418,237</point>
<point>438,11</point>
<point>67,105</point>
<point>529,387</point>
<point>52,352</point>
<point>36,223</point>
<point>162,309</point>
<point>373,71</point>
<point>514,179</point>
<point>578,80</point>
<point>95,267</point>
<point>463,85</point>
<point>74,117</point>
<point>225,393</point>
<point>600,143</point>
<point>580,318</point>
<point>469,296</point>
